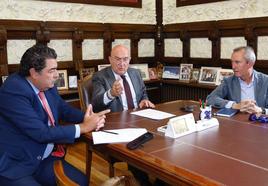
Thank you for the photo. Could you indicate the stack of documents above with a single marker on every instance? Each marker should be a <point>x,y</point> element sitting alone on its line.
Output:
<point>118,135</point>
<point>153,114</point>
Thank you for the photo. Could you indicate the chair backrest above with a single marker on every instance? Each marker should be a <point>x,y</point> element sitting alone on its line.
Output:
<point>85,92</point>
<point>61,178</point>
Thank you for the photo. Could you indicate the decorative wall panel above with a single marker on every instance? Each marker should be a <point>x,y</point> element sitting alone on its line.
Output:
<point>146,48</point>
<point>62,11</point>
<point>229,43</point>
<point>63,49</point>
<point>262,48</point>
<point>213,11</point>
<point>173,48</point>
<point>200,47</point>
<point>92,49</point>
<point>16,48</point>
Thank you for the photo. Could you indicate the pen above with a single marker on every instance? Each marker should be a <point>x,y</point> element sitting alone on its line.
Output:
<point>109,132</point>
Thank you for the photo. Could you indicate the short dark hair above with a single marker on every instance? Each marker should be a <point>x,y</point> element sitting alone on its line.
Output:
<point>35,57</point>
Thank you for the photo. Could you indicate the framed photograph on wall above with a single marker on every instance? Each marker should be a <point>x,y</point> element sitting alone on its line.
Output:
<point>72,81</point>
<point>185,71</point>
<point>171,72</point>
<point>100,67</point>
<point>223,73</point>
<point>195,75</point>
<point>83,72</point>
<point>143,68</point>
<point>208,75</point>
<point>62,82</point>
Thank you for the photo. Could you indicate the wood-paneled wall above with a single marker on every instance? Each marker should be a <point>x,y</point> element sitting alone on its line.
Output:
<point>43,32</point>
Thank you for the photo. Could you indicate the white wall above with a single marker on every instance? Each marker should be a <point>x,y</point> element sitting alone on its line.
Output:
<point>52,11</point>
<point>232,9</point>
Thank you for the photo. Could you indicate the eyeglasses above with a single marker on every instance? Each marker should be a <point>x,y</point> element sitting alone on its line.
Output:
<point>123,59</point>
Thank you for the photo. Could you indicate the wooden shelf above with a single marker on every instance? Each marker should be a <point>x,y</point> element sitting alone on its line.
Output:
<point>68,91</point>
<point>189,84</point>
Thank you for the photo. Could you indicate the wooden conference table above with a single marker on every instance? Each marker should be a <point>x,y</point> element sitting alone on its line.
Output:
<point>235,153</point>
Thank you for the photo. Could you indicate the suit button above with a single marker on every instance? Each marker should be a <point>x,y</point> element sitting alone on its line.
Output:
<point>39,157</point>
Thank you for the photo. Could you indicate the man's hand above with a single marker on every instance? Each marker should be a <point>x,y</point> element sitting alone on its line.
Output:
<point>253,109</point>
<point>145,103</point>
<point>117,88</point>
<point>248,106</point>
<point>93,121</point>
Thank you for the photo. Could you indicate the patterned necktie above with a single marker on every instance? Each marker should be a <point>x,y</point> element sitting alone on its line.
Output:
<point>59,152</point>
<point>130,103</point>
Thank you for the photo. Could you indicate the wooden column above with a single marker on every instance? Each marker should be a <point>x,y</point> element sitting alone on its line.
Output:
<point>77,49</point>
<point>135,38</point>
<point>3,53</point>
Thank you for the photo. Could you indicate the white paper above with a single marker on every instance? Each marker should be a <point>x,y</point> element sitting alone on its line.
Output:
<point>124,135</point>
<point>153,114</point>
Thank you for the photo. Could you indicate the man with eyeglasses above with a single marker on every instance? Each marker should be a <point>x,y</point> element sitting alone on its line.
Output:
<point>119,87</point>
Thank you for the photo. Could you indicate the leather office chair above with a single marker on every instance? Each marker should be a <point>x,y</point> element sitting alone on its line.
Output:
<point>63,180</point>
<point>85,89</point>
<point>85,92</point>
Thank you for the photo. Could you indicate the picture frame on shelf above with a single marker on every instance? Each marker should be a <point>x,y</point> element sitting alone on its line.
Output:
<point>72,81</point>
<point>153,73</point>
<point>83,72</point>
<point>159,69</point>
<point>143,68</point>
<point>185,71</point>
<point>223,73</point>
<point>100,67</point>
<point>171,72</point>
<point>195,72</point>
<point>62,81</point>
<point>209,75</point>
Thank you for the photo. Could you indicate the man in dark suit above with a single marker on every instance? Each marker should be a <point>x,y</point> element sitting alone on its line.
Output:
<point>246,90</point>
<point>29,131</point>
<point>109,90</point>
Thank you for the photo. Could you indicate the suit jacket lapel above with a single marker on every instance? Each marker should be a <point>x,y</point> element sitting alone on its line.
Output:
<point>257,87</point>
<point>236,89</point>
<point>133,80</point>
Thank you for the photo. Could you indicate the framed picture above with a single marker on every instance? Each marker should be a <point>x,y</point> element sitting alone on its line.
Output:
<point>223,73</point>
<point>171,72</point>
<point>208,75</point>
<point>4,78</point>
<point>194,2</point>
<point>185,71</point>
<point>159,69</point>
<point>153,73</point>
<point>72,81</point>
<point>100,67</point>
<point>83,72</point>
<point>62,82</point>
<point>195,74</point>
<point>124,3</point>
<point>143,68</point>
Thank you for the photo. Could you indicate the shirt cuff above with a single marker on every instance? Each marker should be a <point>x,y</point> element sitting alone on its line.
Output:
<point>266,111</point>
<point>107,98</point>
<point>229,104</point>
<point>77,131</point>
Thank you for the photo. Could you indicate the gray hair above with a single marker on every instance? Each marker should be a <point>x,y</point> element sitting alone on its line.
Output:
<point>249,53</point>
